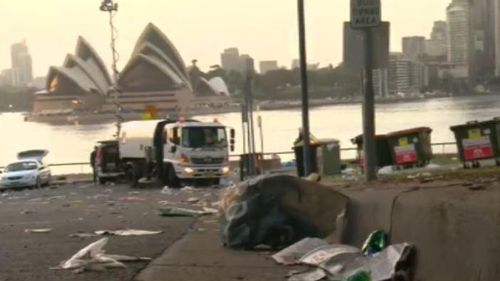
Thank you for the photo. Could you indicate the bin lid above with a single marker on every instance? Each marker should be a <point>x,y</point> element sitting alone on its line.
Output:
<point>476,123</point>
<point>359,139</point>
<point>410,131</point>
<point>300,140</point>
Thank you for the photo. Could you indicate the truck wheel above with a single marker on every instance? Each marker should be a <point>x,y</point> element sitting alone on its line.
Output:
<point>102,181</point>
<point>133,175</point>
<point>173,180</point>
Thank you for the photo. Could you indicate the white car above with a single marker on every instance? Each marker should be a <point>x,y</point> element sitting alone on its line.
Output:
<point>29,171</point>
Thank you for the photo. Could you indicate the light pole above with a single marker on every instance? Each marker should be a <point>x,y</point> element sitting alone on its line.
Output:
<point>111,8</point>
<point>305,90</point>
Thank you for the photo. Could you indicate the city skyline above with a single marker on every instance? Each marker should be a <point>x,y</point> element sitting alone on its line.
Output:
<point>218,25</point>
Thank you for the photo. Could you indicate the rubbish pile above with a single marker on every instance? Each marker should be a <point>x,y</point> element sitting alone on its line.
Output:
<point>376,261</point>
<point>279,210</point>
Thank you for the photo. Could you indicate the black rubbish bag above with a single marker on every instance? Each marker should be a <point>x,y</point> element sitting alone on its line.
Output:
<point>279,210</point>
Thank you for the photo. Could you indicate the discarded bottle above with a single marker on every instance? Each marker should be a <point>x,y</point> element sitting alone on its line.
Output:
<point>360,276</point>
<point>376,242</point>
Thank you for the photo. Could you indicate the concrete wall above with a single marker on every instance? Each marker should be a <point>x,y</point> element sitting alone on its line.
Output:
<point>456,230</point>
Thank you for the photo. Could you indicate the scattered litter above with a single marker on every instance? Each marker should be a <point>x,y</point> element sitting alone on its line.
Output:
<point>312,275</point>
<point>127,232</point>
<point>93,258</point>
<point>210,211</point>
<point>164,202</point>
<point>40,230</point>
<point>61,197</point>
<point>192,200</point>
<point>187,188</point>
<point>82,235</point>
<point>343,262</point>
<point>264,211</point>
<point>477,187</point>
<point>27,212</point>
<point>385,171</point>
<point>182,212</point>
<point>375,243</point>
<point>324,253</point>
<point>433,166</point>
<point>167,190</point>
<point>292,254</point>
<point>134,193</point>
<point>131,199</point>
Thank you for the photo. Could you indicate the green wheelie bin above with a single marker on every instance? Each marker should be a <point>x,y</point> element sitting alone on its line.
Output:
<point>478,141</point>
<point>411,148</point>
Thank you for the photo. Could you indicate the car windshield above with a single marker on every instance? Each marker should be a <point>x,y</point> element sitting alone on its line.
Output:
<point>196,137</point>
<point>21,166</point>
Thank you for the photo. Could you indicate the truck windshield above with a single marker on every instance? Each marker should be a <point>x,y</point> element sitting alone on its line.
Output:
<point>196,137</point>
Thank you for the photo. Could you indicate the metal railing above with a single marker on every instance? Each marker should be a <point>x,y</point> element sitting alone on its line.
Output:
<point>442,145</point>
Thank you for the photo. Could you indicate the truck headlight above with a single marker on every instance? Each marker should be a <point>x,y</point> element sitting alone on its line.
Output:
<point>226,170</point>
<point>189,170</point>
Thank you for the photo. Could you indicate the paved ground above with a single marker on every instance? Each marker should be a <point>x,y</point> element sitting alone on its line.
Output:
<point>199,255</point>
<point>84,208</point>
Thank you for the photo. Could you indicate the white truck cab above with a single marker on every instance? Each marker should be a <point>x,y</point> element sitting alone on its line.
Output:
<point>175,151</point>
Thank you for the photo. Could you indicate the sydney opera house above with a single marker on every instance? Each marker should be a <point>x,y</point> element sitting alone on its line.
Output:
<point>155,76</point>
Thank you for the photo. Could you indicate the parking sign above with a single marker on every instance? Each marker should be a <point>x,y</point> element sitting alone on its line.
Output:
<point>365,13</point>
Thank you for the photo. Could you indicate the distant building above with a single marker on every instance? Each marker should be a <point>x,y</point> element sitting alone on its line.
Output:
<point>39,82</point>
<point>458,33</point>
<point>406,75</point>
<point>353,52</point>
<point>414,47</point>
<point>310,66</point>
<point>154,76</point>
<point>381,82</point>
<point>436,46</point>
<point>22,68</point>
<point>482,39</point>
<point>266,66</point>
<point>230,59</point>
<point>5,77</point>
<point>247,65</point>
<point>399,73</point>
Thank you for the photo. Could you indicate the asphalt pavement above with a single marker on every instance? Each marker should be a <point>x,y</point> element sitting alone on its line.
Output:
<point>85,208</point>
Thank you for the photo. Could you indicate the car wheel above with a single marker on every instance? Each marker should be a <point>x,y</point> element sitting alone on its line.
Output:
<point>173,180</point>
<point>38,183</point>
<point>47,183</point>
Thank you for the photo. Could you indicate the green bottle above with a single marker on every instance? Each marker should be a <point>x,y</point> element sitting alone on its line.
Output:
<point>376,242</point>
<point>360,276</point>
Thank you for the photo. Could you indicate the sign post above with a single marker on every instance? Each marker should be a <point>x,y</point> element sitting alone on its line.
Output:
<point>366,15</point>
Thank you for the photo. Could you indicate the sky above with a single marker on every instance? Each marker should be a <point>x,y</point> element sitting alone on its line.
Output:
<point>200,29</point>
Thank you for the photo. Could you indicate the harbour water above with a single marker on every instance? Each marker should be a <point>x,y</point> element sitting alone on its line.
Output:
<point>69,144</point>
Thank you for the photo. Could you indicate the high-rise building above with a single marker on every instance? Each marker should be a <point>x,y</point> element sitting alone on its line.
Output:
<point>399,73</point>
<point>436,46</point>
<point>266,66</point>
<point>22,68</point>
<point>458,33</point>
<point>482,50</point>
<point>247,65</point>
<point>414,47</point>
<point>354,54</point>
<point>381,82</point>
<point>406,75</point>
<point>230,59</point>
